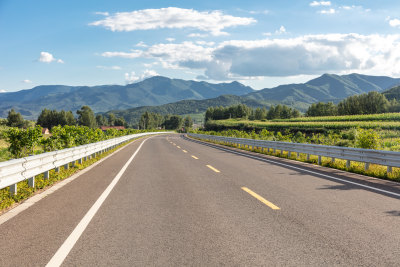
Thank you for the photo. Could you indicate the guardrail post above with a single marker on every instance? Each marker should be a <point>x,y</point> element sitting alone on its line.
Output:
<point>389,169</point>
<point>80,161</point>
<point>366,166</point>
<point>333,160</point>
<point>57,169</point>
<point>297,155</point>
<point>46,175</point>
<point>274,150</point>
<point>13,189</point>
<point>308,156</point>
<point>319,160</point>
<point>31,181</point>
<point>348,164</point>
<point>66,166</point>
<point>289,154</point>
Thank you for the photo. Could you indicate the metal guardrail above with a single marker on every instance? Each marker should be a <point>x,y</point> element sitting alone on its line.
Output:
<point>367,156</point>
<point>17,170</point>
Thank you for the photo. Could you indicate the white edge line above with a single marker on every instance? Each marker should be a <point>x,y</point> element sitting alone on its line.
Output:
<point>317,173</point>
<point>69,243</point>
<point>37,197</point>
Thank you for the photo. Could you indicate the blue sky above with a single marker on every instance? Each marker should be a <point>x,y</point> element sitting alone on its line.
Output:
<point>259,43</point>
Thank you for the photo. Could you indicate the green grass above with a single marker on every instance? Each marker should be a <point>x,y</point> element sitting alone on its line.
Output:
<point>369,117</point>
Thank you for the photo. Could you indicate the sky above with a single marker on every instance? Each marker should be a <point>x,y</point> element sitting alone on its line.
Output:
<point>258,43</point>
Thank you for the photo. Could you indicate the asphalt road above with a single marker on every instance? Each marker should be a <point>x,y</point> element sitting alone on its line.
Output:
<point>182,203</point>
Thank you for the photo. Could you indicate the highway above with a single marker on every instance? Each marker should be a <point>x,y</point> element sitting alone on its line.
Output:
<point>171,201</point>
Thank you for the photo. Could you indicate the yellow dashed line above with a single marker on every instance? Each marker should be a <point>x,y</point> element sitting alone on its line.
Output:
<point>212,168</point>
<point>195,157</point>
<point>260,198</point>
<point>178,146</point>
<point>184,150</point>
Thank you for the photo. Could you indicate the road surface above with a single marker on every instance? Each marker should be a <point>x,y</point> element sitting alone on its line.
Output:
<point>179,203</point>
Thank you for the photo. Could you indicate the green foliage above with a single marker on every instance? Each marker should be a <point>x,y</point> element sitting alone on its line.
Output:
<point>188,123</point>
<point>173,122</point>
<point>23,141</point>
<point>367,138</point>
<point>15,119</point>
<point>86,117</point>
<point>51,118</point>
<point>322,109</point>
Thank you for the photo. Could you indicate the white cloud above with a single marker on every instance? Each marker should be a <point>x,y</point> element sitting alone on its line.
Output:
<point>328,11</point>
<point>46,57</point>
<point>170,39</point>
<point>213,22</point>
<point>132,77</point>
<point>194,35</point>
<point>267,34</point>
<point>281,30</point>
<point>109,67</point>
<point>320,3</point>
<point>304,55</point>
<point>27,81</point>
<point>394,22</point>
<point>102,13</point>
<point>141,44</point>
<point>3,91</point>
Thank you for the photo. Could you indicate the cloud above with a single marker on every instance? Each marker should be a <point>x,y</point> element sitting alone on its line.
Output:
<point>194,35</point>
<point>328,11</point>
<point>26,81</point>
<point>394,22</point>
<point>46,57</point>
<point>320,3</point>
<point>281,30</point>
<point>213,22</point>
<point>170,39</point>
<point>304,55</point>
<point>132,77</point>
<point>102,13</point>
<point>141,44</point>
<point>3,91</point>
<point>109,67</point>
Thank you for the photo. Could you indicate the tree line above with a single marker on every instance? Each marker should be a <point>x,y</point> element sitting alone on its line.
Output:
<point>245,112</point>
<point>151,120</point>
<point>50,118</point>
<point>368,103</point>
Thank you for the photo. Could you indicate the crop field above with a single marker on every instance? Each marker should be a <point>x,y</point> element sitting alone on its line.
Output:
<point>393,117</point>
<point>307,125</point>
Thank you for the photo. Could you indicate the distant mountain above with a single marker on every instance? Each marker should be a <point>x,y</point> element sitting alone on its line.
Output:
<point>185,107</point>
<point>153,91</point>
<point>328,87</point>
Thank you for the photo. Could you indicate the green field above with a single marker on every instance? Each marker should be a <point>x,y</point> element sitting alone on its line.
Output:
<point>393,117</point>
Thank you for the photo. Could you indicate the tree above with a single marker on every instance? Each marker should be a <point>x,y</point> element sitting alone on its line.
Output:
<point>101,120</point>
<point>86,117</point>
<point>188,123</point>
<point>14,119</point>
<point>119,122</point>
<point>174,122</point>
<point>111,119</point>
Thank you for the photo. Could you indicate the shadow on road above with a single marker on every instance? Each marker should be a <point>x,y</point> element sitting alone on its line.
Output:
<point>393,212</point>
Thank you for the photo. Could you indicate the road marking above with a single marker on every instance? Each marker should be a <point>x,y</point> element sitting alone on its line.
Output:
<point>212,168</point>
<point>174,144</point>
<point>69,243</point>
<point>260,198</point>
<point>184,150</point>
<point>304,170</point>
<point>195,157</point>
<point>178,146</point>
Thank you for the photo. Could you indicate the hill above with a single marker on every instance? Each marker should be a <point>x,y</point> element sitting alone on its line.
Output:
<point>328,87</point>
<point>152,91</point>
<point>184,107</point>
<point>392,93</point>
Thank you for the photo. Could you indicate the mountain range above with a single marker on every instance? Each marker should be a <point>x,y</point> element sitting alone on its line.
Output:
<point>165,95</point>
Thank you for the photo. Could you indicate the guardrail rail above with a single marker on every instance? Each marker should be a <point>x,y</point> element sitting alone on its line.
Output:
<point>17,170</point>
<point>367,156</point>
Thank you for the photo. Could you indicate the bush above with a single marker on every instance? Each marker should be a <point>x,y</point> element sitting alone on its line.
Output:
<point>367,139</point>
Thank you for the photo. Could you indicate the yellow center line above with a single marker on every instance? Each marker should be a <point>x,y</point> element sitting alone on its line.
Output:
<point>178,147</point>
<point>195,157</point>
<point>212,168</point>
<point>260,198</point>
<point>184,150</point>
